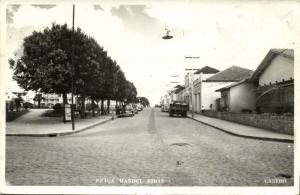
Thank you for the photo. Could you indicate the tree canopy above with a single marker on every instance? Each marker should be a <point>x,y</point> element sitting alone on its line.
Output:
<point>46,66</point>
<point>143,100</point>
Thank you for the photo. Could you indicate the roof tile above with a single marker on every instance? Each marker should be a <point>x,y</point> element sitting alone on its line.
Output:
<point>233,73</point>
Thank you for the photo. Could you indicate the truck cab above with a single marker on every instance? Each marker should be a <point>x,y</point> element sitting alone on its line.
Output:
<point>178,108</point>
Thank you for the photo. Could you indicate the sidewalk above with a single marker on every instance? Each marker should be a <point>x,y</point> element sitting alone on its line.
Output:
<point>33,124</point>
<point>242,130</point>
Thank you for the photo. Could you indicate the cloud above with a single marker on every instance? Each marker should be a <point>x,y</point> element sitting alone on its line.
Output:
<point>9,16</point>
<point>222,35</point>
<point>98,7</point>
<point>43,6</point>
<point>135,18</point>
<point>12,9</point>
<point>10,12</point>
<point>15,7</point>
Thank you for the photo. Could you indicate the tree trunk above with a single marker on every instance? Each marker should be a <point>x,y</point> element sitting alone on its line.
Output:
<point>82,113</point>
<point>108,104</point>
<point>39,104</point>
<point>97,107</point>
<point>102,107</point>
<point>93,107</point>
<point>65,98</point>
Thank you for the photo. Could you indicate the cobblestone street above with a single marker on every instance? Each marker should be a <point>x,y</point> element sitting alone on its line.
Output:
<point>150,148</point>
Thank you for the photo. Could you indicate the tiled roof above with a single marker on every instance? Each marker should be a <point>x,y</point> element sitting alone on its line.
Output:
<point>232,85</point>
<point>285,52</point>
<point>207,70</point>
<point>288,53</point>
<point>178,89</point>
<point>233,73</point>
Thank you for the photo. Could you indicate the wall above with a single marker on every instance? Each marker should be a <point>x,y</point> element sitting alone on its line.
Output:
<point>187,97</point>
<point>242,97</point>
<point>173,96</point>
<point>276,98</point>
<point>280,68</point>
<point>180,95</point>
<point>210,95</point>
<point>277,123</point>
<point>205,76</point>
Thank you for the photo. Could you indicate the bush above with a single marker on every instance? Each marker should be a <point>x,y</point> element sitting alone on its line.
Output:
<point>88,106</point>
<point>50,113</point>
<point>58,109</point>
<point>245,110</point>
<point>27,105</point>
<point>57,106</point>
<point>12,115</point>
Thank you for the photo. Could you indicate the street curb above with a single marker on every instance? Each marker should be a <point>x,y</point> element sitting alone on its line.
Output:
<point>63,133</point>
<point>245,136</point>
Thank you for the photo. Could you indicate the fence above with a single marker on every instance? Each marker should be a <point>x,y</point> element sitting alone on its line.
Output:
<point>277,123</point>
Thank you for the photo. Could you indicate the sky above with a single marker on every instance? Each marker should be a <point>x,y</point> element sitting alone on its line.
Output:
<point>221,34</point>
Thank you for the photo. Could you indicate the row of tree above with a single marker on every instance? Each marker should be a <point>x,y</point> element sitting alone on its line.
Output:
<point>47,66</point>
<point>143,100</point>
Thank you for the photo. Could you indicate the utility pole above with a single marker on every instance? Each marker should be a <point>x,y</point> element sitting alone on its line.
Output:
<point>72,79</point>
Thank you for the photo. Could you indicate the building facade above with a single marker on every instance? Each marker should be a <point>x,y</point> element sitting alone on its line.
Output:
<point>205,94</point>
<point>274,79</point>
<point>238,97</point>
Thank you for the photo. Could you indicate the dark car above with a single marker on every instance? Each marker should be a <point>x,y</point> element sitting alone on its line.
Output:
<point>139,107</point>
<point>135,109</point>
<point>125,110</point>
<point>178,108</point>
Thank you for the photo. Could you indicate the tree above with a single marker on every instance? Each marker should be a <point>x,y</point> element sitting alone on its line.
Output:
<point>95,80</point>
<point>130,92</point>
<point>109,84</point>
<point>38,98</point>
<point>45,63</point>
<point>143,100</point>
<point>121,85</point>
<point>18,100</point>
<point>46,66</point>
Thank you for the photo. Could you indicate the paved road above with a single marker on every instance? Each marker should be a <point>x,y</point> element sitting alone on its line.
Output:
<point>150,148</point>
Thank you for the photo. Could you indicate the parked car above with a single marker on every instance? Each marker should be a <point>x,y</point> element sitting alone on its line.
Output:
<point>126,110</point>
<point>157,106</point>
<point>135,110</point>
<point>165,108</point>
<point>139,106</point>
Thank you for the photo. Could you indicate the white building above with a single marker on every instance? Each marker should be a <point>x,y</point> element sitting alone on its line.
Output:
<point>205,94</point>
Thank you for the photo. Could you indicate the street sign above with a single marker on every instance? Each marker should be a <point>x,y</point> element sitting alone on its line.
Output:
<point>192,57</point>
<point>68,112</point>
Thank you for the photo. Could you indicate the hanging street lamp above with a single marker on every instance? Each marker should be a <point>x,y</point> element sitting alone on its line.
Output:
<point>167,36</point>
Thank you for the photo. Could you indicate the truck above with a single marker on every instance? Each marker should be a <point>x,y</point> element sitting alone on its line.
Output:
<point>178,108</point>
